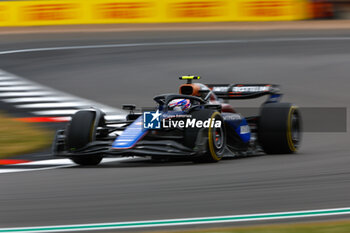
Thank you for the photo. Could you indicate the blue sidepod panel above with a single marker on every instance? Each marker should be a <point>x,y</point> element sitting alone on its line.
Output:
<point>239,124</point>
<point>131,135</point>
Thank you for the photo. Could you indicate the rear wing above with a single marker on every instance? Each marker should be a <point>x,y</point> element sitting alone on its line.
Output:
<point>245,91</point>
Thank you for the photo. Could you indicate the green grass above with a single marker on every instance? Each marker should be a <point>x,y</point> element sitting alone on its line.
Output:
<point>316,227</point>
<point>19,137</point>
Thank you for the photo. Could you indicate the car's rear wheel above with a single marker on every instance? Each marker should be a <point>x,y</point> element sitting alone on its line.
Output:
<point>280,128</point>
<point>213,138</point>
<point>80,132</point>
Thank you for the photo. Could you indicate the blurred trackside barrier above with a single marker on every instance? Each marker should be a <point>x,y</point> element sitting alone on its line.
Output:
<point>322,9</point>
<point>51,12</point>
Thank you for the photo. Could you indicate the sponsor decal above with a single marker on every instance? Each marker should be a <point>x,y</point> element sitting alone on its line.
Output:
<point>232,117</point>
<point>250,88</point>
<point>52,12</point>
<point>220,89</point>
<point>244,129</point>
<point>203,9</point>
<point>2,13</point>
<point>123,10</point>
<point>265,8</point>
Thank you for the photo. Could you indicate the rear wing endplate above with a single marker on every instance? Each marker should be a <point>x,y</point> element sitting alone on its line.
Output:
<point>244,91</point>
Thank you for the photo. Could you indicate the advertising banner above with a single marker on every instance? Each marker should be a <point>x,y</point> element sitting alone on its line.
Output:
<point>31,13</point>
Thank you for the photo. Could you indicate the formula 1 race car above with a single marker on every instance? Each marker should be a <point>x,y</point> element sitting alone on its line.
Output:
<point>196,124</point>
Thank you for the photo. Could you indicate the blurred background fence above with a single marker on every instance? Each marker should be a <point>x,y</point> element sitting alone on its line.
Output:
<point>51,12</point>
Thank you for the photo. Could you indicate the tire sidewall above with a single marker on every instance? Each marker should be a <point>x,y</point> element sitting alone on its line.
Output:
<point>216,152</point>
<point>275,128</point>
<point>80,132</point>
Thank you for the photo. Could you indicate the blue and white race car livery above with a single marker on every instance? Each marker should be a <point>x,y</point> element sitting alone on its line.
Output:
<point>196,124</point>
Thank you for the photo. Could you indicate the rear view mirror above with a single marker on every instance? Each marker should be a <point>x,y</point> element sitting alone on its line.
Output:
<point>129,107</point>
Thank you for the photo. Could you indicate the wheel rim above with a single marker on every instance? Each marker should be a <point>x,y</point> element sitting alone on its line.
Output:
<point>218,137</point>
<point>295,129</point>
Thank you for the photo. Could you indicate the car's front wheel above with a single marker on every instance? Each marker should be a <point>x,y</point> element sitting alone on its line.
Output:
<point>80,132</point>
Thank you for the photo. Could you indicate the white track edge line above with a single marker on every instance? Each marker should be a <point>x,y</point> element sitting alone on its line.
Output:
<point>263,40</point>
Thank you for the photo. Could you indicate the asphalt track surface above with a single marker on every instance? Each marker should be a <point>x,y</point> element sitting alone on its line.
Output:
<point>314,73</point>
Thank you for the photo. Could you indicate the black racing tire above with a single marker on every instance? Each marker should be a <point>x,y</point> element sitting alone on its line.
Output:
<point>215,143</point>
<point>280,128</point>
<point>80,132</point>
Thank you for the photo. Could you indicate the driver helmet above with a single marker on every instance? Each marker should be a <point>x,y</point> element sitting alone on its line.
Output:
<point>179,104</point>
